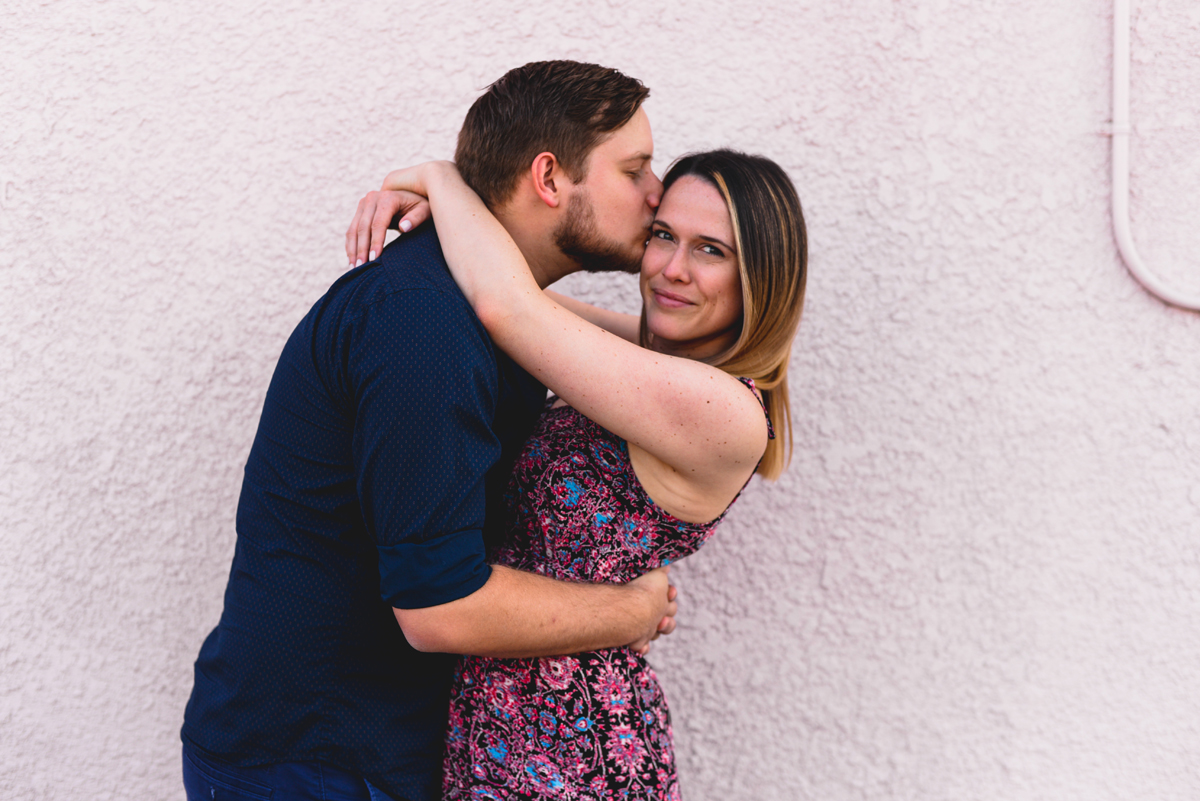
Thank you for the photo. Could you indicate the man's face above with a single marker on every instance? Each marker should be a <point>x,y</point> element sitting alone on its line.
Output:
<point>609,212</point>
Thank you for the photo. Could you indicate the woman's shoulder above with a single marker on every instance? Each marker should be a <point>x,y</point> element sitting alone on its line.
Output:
<point>701,491</point>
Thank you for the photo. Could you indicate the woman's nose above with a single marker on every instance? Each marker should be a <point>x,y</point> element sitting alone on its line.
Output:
<point>676,269</point>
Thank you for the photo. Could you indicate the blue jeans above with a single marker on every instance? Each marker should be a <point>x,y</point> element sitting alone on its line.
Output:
<point>205,779</point>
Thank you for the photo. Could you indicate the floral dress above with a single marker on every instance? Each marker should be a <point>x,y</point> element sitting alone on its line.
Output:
<point>593,725</point>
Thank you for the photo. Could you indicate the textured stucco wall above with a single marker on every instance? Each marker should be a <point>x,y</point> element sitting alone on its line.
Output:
<point>981,576</point>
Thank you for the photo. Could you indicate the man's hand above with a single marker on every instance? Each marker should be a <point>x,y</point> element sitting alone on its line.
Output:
<point>660,594</point>
<point>377,212</point>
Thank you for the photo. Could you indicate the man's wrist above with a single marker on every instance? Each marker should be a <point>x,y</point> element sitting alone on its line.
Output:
<point>644,609</point>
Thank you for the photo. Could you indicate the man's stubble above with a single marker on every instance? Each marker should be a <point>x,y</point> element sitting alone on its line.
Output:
<point>579,237</point>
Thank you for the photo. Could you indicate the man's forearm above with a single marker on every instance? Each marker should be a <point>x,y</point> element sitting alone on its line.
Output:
<point>518,614</point>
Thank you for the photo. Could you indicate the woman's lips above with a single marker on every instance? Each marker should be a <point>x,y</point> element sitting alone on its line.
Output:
<point>671,300</point>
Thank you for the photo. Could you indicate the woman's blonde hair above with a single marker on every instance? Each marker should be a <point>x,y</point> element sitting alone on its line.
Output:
<point>772,249</point>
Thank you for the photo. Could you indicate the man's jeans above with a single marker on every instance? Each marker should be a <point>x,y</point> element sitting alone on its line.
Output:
<point>206,779</point>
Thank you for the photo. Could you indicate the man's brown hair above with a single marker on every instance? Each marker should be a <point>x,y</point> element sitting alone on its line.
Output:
<point>561,107</point>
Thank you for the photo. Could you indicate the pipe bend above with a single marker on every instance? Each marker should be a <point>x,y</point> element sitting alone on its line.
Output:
<point>1120,170</point>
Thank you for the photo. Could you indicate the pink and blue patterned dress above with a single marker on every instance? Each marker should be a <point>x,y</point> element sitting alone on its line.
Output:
<point>593,725</point>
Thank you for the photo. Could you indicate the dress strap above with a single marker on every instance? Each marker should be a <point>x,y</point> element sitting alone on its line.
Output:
<point>750,383</point>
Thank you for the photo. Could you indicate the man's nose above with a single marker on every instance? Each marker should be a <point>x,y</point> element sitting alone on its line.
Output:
<point>654,196</point>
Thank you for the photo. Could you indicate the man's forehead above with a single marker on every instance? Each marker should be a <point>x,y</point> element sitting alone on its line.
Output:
<point>632,141</point>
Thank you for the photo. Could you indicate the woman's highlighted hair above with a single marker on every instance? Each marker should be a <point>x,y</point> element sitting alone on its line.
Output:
<point>772,248</point>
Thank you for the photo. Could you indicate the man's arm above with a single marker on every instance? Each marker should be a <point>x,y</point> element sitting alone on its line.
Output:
<point>518,614</point>
<point>423,444</point>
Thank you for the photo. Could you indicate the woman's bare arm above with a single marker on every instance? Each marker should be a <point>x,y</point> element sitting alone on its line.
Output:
<point>623,325</point>
<point>403,211</point>
<point>697,420</point>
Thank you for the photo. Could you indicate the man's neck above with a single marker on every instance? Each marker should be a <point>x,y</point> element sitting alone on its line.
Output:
<point>536,243</point>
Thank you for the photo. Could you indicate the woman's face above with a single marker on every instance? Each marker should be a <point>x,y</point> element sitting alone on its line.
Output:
<point>691,288</point>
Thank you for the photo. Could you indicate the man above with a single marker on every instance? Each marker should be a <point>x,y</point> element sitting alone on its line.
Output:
<point>385,440</point>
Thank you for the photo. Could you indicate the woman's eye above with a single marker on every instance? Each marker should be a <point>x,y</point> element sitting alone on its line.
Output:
<point>663,235</point>
<point>712,250</point>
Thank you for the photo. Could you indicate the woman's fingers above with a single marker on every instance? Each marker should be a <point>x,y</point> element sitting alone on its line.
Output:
<point>377,228</point>
<point>358,236</point>
<point>377,212</point>
<point>415,213</point>
<point>384,207</point>
<point>365,206</point>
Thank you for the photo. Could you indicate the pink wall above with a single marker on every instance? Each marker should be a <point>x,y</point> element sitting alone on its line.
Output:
<point>981,576</point>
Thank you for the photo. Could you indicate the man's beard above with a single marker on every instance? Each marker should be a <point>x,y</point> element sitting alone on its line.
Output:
<point>578,237</point>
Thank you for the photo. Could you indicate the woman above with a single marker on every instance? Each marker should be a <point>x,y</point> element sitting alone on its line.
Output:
<point>648,440</point>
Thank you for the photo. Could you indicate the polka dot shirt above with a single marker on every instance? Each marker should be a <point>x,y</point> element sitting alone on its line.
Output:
<point>386,439</point>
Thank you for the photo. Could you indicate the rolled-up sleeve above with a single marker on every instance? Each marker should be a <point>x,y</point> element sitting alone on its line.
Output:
<point>425,386</point>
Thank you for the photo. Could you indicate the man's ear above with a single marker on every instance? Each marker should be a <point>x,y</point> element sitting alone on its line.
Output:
<point>549,179</point>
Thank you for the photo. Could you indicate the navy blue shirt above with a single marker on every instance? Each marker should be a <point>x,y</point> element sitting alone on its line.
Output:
<point>386,438</point>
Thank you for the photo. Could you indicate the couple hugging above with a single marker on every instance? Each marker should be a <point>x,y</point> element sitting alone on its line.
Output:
<point>444,584</point>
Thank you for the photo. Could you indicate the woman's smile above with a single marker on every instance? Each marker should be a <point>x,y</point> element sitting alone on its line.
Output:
<point>670,299</point>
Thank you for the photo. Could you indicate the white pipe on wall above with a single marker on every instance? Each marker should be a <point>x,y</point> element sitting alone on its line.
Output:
<point>1120,168</point>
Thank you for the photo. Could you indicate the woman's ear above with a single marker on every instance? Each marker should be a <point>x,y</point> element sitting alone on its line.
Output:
<point>548,178</point>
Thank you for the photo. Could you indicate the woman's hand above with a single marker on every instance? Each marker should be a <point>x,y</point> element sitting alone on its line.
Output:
<point>377,212</point>
<point>401,204</point>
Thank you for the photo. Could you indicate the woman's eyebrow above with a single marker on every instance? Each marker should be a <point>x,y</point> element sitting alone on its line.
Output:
<point>713,239</point>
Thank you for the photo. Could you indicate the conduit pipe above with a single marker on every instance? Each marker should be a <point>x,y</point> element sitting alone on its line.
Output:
<point>1120,168</point>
